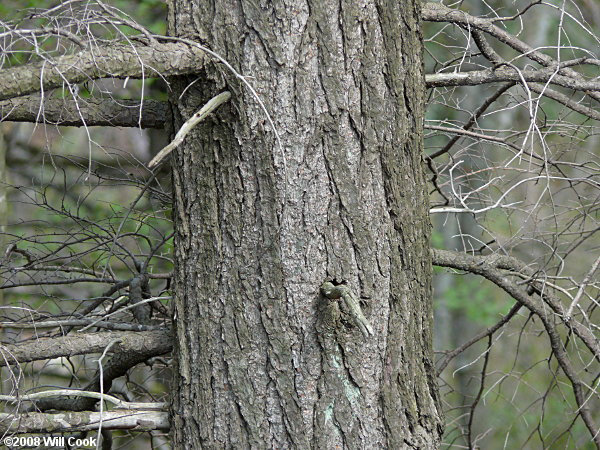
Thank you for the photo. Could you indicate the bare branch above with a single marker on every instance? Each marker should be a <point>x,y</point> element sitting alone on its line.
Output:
<point>118,326</point>
<point>437,12</point>
<point>478,77</point>
<point>44,31</point>
<point>89,112</point>
<point>486,333</point>
<point>198,117</point>
<point>582,287</point>
<point>84,421</point>
<point>479,393</point>
<point>115,61</point>
<point>490,268</point>
<point>464,132</point>
<point>564,100</point>
<point>487,50</point>
<point>159,342</point>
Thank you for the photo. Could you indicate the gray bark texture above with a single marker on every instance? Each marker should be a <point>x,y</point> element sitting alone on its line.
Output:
<point>263,359</point>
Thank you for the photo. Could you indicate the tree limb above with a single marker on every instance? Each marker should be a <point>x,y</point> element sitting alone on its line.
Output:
<point>84,421</point>
<point>478,77</point>
<point>86,111</point>
<point>156,342</point>
<point>114,61</point>
<point>118,366</point>
<point>491,268</point>
<point>564,100</point>
<point>487,51</point>
<point>437,12</point>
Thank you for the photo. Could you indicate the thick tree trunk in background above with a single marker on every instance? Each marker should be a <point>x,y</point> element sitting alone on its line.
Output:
<point>263,360</point>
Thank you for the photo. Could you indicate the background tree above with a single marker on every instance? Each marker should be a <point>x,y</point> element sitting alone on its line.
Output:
<point>310,173</point>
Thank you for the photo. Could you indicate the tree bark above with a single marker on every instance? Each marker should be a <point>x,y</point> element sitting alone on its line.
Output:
<point>263,360</point>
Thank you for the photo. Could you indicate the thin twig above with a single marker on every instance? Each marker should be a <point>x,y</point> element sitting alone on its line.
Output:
<point>198,117</point>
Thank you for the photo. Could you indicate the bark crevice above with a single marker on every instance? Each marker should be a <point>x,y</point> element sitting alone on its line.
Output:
<point>344,86</point>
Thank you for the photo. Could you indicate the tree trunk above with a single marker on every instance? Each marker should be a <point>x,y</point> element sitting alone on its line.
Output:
<point>263,359</point>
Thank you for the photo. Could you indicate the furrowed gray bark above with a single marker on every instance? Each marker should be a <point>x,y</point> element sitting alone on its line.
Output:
<point>263,359</point>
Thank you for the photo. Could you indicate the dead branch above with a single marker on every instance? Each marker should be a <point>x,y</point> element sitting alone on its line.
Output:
<point>478,77</point>
<point>491,268</point>
<point>87,111</point>
<point>156,342</point>
<point>198,117</point>
<point>114,61</point>
<point>84,421</point>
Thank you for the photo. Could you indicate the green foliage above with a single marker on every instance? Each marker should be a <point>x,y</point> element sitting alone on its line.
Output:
<point>476,299</point>
<point>11,7</point>
<point>437,239</point>
<point>149,13</point>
